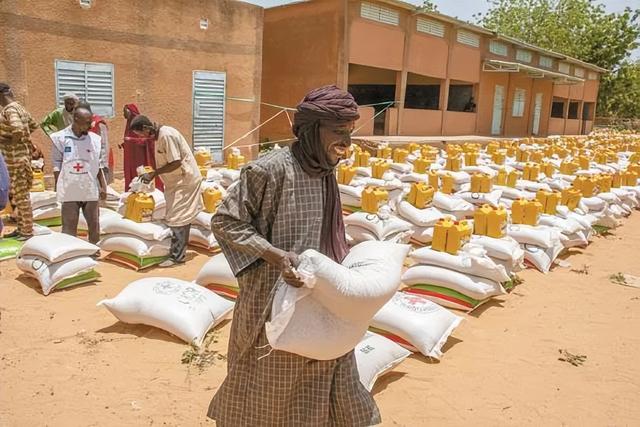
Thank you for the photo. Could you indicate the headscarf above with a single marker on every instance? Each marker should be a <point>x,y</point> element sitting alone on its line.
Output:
<point>70,95</point>
<point>328,104</point>
<point>133,112</point>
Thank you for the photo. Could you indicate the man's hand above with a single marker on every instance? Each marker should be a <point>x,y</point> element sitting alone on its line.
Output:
<point>287,261</point>
<point>103,195</point>
<point>147,177</point>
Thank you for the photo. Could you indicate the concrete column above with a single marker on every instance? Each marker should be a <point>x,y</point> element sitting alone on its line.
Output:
<point>444,101</point>
<point>401,91</point>
<point>342,77</point>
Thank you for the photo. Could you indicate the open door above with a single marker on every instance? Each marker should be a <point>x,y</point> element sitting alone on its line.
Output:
<point>537,112</point>
<point>498,108</point>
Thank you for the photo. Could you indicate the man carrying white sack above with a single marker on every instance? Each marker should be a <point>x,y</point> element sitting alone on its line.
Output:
<point>285,203</point>
<point>177,168</point>
<point>80,182</point>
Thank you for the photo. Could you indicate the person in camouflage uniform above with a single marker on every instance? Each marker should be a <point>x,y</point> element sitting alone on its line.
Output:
<point>16,125</point>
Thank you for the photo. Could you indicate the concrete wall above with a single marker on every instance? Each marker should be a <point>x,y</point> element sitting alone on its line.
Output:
<point>375,44</point>
<point>154,47</point>
<point>428,55</point>
<point>464,63</point>
<point>365,123</point>
<point>518,126</point>
<point>486,91</point>
<point>590,93</point>
<point>556,126</point>
<point>421,122</point>
<point>302,48</point>
<point>572,127</point>
<point>546,88</point>
<point>459,123</point>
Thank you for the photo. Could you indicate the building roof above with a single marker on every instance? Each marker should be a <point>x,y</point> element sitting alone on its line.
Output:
<point>486,31</point>
<point>494,65</point>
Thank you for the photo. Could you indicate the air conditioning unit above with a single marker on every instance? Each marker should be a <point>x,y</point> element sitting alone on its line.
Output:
<point>86,4</point>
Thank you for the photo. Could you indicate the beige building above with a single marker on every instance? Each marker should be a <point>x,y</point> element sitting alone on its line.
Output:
<point>179,60</point>
<point>428,65</point>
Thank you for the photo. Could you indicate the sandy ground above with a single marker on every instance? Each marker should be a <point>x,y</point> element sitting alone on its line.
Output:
<point>66,362</point>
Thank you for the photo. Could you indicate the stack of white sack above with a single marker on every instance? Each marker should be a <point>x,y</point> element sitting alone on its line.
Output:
<point>459,178</point>
<point>362,226</point>
<point>353,193</point>
<point>377,355</point>
<point>463,281</point>
<point>9,247</point>
<point>318,320</point>
<point>134,244</point>
<point>350,197</point>
<point>542,244</point>
<point>415,323</point>
<point>504,251</point>
<point>46,209</point>
<point>229,176</point>
<point>181,308</point>
<point>58,261</point>
<point>423,220</point>
<point>217,276</point>
<point>113,199</point>
<point>577,234</point>
<point>200,234</point>
<point>491,198</point>
<point>104,214</point>
<point>452,204</point>
<point>160,204</point>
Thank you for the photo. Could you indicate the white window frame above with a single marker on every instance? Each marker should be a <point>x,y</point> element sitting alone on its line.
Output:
<point>593,75</point>
<point>519,102</point>
<point>380,14</point>
<point>430,26</point>
<point>545,61</point>
<point>468,38</point>
<point>564,67</point>
<point>523,55</point>
<point>102,101</point>
<point>498,48</point>
<point>578,72</point>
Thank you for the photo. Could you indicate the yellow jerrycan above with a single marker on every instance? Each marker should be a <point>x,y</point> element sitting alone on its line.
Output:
<point>570,197</point>
<point>457,236</point>
<point>211,197</point>
<point>372,197</point>
<point>379,168</point>
<point>480,220</point>
<point>139,207</point>
<point>37,184</point>
<point>480,183</point>
<point>420,195</point>
<point>346,174</point>
<point>497,222</point>
<point>446,182</point>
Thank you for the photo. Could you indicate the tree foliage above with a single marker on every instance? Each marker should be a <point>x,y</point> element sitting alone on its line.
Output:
<point>622,91</point>
<point>582,29</point>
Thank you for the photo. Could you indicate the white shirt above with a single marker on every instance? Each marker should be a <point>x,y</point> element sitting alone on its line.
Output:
<point>78,161</point>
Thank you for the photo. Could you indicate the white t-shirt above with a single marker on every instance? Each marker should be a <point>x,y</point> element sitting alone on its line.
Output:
<point>78,161</point>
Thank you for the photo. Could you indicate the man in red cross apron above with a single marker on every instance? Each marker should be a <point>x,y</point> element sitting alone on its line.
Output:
<point>80,181</point>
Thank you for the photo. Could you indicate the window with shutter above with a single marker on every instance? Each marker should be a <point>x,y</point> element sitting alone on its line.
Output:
<point>430,26</point>
<point>546,62</point>
<point>208,112</point>
<point>498,48</point>
<point>89,81</point>
<point>465,37</point>
<point>578,72</point>
<point>564,67</point>
<point>518,103</point>
<point>523,55</point>
<point>380,14</point>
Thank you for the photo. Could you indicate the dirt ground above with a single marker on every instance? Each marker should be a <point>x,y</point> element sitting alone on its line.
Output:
<point>66,362</point>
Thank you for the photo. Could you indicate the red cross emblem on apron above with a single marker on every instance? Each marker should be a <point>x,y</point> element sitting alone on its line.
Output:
<point>78,167</point>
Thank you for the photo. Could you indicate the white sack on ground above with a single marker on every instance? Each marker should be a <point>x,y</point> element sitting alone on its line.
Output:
<point>375,356</point>
<point>472,260</point>
<point>57,247</point>
<point>184,309</point>
<point>144,230</point>
<point>416,323</point>
<point>48,274</point>
<point>134,245</point>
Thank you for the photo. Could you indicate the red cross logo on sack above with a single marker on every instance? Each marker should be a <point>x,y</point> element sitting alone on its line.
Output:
<point>78,167</point>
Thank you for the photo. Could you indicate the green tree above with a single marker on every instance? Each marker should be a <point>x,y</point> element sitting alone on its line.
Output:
<point>579,28</point>
<point>623,92</point>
